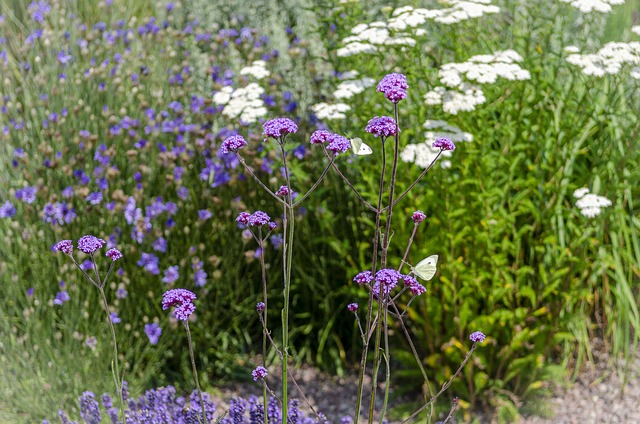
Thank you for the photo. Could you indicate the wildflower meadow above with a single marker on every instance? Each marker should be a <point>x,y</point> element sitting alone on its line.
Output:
<point>435,198</point>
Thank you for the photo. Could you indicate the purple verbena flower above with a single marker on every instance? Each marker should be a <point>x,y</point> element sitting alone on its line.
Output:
<point>272,225</point>
<point>259,372</point>
<point>382,126</point>
<point>386,280</point>
<point>258,219</point>
<point>352,307</point>
<point>365,277</point>
<point>153,332</point>
<point>64,246</point>
<point>89,244</point>
<point>418,217</point>
<point>416,288</point>
<point>260,307</point>
<point>232,144</point>
<point>339,144</point>
<point>278,128</point>
<point>283,191</point>
<point>320,136</point>
<point>113,254</point>
<point>182,299</point>
<point>477,336</point>
<point>394,86</point>
<point>243,218</point>
<point>444,143</point>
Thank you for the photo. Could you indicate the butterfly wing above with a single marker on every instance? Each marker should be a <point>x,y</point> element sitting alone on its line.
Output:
<point>356,144</point>
<point>364,150</point>
<point>426,268</point>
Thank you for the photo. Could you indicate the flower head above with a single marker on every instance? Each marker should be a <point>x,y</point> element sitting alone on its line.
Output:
<point>320,136</point>
<point>444,143</point>
<point>412,284</point>
<point>477,336</point>
<point>386,279</point>
<point>243,218</point>
<point>153,331</point>
<point>418,217</point>
<point>182,299</point>
<point>278,128</point>
<point>258,219</point>
<point>352,307</point>
<point>394,86</point>
<point>283,191</point>
<point>113,254</point>
<point>272,225</point>
<point>365,277</point>
<point>382,126</point>
<point>232,144</point>
<point>260,306</point>
<point>89,244</point>
<point>338,144</point>
<point>259,372</point>
<point>64,246</point>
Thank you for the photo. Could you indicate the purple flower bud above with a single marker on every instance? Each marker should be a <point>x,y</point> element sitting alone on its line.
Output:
<point>477,336</point>
<point>444,143</point>
<point>418,217</point>
<point>260,307</point>
<point>283,191</point>
<point>352,307</point>
<point>259,372</point>
<point>64,246</point>
<point>113,254</point>
<point>232,144</point>
<point>365,277</point>
<point>272,225</point>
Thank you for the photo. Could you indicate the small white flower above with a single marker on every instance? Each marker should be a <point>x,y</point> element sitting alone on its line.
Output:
<point>580,192</point>
<point>590,205</point>
<point>587,6</point>
<point>257,69</point>
<point>330,112</point>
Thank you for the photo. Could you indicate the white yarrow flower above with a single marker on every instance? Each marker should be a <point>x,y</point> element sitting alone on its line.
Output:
<point>579,193</point>
<point>587,6</point>
<point>590,204</point>
<point>330,112</point>
<point>257,69</point>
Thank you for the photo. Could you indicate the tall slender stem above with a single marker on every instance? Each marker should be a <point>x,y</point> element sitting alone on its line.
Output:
<point>263,318</point>
<point>195,372</point>
<point>114,364</point>
<point>387,358</point>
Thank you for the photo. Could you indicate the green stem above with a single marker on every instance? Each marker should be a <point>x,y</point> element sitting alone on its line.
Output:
<point>195,372</point>
<point>114,364</point>
<point>263,318</point>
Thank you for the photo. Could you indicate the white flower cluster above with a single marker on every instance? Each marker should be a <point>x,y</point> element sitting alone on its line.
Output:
<point>369,38</point>
<point>586,6</point>
<point>590,204</point>
<point>609,59</point>
<point>330,111</point>
<point>423,154</point>
<point>636,29</point>
<point>350,88</point>
<point>460,94</point>
<point>244,103</point>
<point>258,70</point>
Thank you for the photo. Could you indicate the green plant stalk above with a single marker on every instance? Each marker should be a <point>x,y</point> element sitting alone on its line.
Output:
<point>287,256</point>
<point>387,358</point>
<point>195,372</point>
<point>264,322</point>
<point>374,260</point>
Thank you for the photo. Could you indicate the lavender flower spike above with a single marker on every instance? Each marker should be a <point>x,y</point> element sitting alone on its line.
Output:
<point>182,299</point>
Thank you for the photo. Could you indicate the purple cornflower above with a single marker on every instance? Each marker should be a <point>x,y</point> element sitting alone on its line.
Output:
<point>182,299</point>
<point>278,128</point>
<point>27,194</point>
<point>200,278</point>
<point>63,57</point>
<point>171,274</point>
<point>121,293</point>
<point>260,307</point>
<point>150,263</point>
<point>365,277</point>
<point>444,143</point>
<point>382,126</point>
<point>61,297</point>
<point>153,331</point>
<point>114,318</point>
<point>7,210</point>
<point>204,214</point>
<point>183,193</point>
<point>30,291</point>
<point>89,244</point>
<point>418,217</point>
<point>94,198</point>
<point>113,254</point>
<point>91,342</point>
<point>477,336</point>
<point>259,372</point>
<point>283,191</point>
<point>394,86</point>
<point>86,265</point>
<point>232,144</point>
<point>320,136</point>
<point>258,219</point>
<point>277,240</point>
<point>64,246</point>
<point>352,307</point>
<point>338,144</point>
<point>160,244</point>
<point>416,288</point>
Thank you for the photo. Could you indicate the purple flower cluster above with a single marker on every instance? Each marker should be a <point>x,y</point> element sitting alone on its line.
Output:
<point>90,244</point>
<point>364,277</point>
<point>232,144</point>
<point>27,194</point>
<point>182,299</point>
<point>260,307</point>
<point>337,143</point>
<point>444,143</point>
<point>382,126</point>
<point>259,372</point>
<point>477,337</point>
<point>394,86</point>
<point>418,217</point>
<point>353,307</point>
<point>113,254</point>
<point>278,128</point>
<point>64,246</point>
<point>153,332</point>
<point>256,219</point>
<point>283,191</point>
<point>386,280</point>
<point>412,284</point>
<point>321,136</point>
<point>7,210</point>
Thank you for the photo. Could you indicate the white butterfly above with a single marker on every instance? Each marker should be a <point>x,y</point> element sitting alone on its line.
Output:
<point>359,148</point>
<point>426,268</point>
